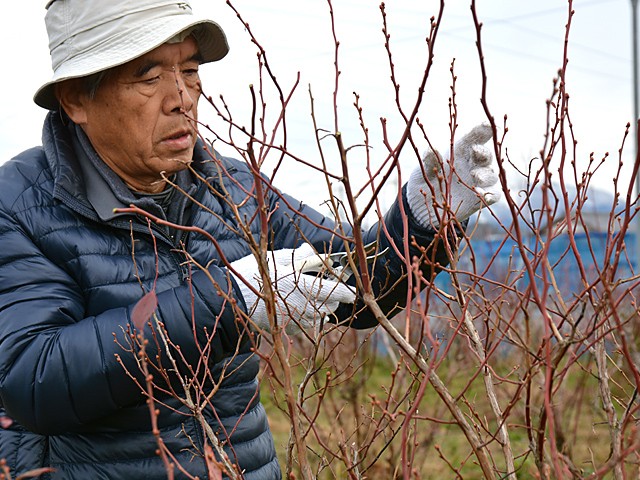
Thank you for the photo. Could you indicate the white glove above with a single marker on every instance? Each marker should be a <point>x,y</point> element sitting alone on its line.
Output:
<point>474,182</point>
<point>301,299</point>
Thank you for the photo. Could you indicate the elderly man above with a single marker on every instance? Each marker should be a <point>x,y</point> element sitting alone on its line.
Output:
<point>74,265</point>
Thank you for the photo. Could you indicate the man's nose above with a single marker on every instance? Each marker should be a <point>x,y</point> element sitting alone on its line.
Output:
<point>178,97</point>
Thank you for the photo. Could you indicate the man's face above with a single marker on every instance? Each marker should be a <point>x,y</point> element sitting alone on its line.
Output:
<point>137,122</point>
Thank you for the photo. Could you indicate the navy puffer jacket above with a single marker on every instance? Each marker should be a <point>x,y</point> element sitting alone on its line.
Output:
<point>71,272</point>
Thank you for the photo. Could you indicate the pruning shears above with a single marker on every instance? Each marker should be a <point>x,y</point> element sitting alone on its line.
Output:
<point>337,265</point>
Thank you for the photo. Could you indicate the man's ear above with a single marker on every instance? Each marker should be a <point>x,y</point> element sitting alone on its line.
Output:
<point>73,100</point>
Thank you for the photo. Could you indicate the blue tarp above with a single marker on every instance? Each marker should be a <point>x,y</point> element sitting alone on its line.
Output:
<point>502,260</point>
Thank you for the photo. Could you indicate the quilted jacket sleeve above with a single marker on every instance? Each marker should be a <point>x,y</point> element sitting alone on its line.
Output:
<point>58,369</point>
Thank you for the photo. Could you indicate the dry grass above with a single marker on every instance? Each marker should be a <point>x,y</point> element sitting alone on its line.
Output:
<point>439,449</point>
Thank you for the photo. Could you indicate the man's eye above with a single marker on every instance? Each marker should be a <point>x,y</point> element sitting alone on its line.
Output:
<point>152,80</point>
<point>190,72</point>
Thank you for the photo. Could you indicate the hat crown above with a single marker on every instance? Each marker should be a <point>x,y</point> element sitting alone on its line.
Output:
<point>89,36</point>
<point>74,26</point>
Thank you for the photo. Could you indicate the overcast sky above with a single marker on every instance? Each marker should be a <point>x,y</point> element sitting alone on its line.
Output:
<point>523,46</point>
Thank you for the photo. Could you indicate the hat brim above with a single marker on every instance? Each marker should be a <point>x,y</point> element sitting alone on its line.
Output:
<point>129,45</point>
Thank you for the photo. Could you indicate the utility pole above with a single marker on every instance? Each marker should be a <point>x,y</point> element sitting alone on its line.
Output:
<point>634,39</point>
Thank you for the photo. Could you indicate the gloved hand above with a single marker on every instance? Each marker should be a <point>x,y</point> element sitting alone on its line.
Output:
<point>473,180</point>
<point>301,299</point>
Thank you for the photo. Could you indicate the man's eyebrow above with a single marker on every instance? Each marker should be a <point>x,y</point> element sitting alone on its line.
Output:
<point>197,57</point>
<point>144,68</point>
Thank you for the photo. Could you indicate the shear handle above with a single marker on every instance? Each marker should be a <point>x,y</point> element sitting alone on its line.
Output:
<point>337,264</point>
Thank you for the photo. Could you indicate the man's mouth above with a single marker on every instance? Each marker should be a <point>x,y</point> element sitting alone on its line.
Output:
<point>179,140</point>
<point>178,134</point>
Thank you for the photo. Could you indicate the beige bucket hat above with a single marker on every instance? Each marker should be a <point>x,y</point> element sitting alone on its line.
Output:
<point>89,36</point>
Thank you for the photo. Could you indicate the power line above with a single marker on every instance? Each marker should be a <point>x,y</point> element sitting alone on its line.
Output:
<point>540,58</point>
